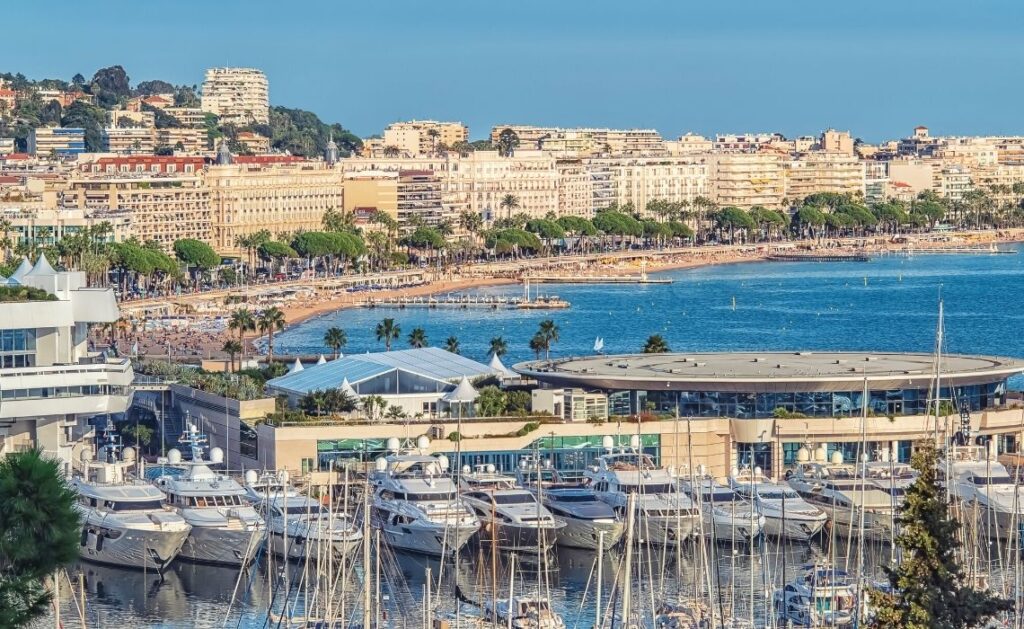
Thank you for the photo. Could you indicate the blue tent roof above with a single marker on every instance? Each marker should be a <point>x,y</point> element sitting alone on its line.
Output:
<point>430,362</point>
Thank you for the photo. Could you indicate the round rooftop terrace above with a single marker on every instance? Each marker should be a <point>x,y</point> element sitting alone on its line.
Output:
<point>768,371</point>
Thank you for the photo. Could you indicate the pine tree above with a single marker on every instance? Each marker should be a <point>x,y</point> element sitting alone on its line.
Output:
<point>928,588</point>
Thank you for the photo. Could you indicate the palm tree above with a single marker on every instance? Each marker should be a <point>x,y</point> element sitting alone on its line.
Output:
<point>242,321</point>
<point>656,344</point>
<point>387,331</point>
<point>232,347</point>
<point>335,338</point>
<point>372,404</point>
<point>498,346</point>
<point>451,344</point>
<point>538,344</point>
<point>509,203</point>
<point>433,134</point>
<point>395,413</point>
<point>270,320</point>
<point>548,330</point>
<point>418,338</point>
<point>391,151</point>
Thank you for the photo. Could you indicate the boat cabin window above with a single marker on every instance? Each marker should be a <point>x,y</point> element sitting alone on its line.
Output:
<point>991,480</point>
<point>651,488</point>
<point>135,505</point>
<point>515,499</point>
<point>429,497</point>
<point>216,501</point>
<point>310,509</point>
<point>718,496</point>
<point>895,491</point>
<point>778,494</point>
<point>571,497</point>
<point>547,476</point>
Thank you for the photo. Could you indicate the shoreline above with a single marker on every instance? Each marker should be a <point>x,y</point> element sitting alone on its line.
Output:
<point>206,344</point>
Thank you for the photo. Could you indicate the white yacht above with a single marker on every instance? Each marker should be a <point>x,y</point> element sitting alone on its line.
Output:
<point>124,521</point>
<point>299,527</point>
<point>785,513</point>
<point>664,515</point>
<point>727,517</point>
<point>416,505</point>
<point>510,516</point>
<point>821,597</point>
<point>225,527</point>
<point>849,493</point>
<point>977,478</point>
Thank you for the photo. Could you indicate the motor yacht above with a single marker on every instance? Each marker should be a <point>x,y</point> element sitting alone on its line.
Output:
<point>416,505</point>
<point>299,527</point>
<point>979,481</point>
<point>727,517</point>
<point>822,596</point>
<point>868,493</point>
<point>785,513</point>
<point>510,516</point>
<point>664,515</point>
<point>225,526</point>
<point>124,520</point>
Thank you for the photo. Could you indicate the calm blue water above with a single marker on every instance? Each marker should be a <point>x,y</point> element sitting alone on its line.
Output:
<point>889,303</point>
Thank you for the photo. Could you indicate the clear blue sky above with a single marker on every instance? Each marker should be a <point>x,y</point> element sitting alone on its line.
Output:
<point>875,67</point>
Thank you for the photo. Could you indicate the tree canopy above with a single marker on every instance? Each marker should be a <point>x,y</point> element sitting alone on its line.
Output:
<point>196,254</point>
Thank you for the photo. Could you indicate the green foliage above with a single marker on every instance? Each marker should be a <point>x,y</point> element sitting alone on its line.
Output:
<point>161,119</point>
<point>387,331</point>
<point>425,238</point>
<point>302,133</point>
<point>149,88</point>
<point>24,293</point>
<point>196,253</point>
<point>319,244</point>
<point>929,588</point>
<point>451,344</point>
<point>88,117</point>
<point>577,225</point>
<point>499,347</point>
<point>136,258</point>
<point>656,344</point>
<point>518,402</point>
<point>548,230</point>
<point>234,386</point>
<point>527,429</point>
<point>328,402</point>
<point>680,230</point>
<point>508,142</point>
<point>335,338</point>
<point>110,86</point>
<point>454,436</point>
<point>491,402</point>
<point>273,250</point>
<point>617,223</point>
<point>511,239</point>
<point>782,413</point>
<point>418,338</point>
<point>40,533</point>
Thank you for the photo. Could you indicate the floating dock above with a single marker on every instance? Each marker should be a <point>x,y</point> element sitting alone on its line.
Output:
<point>597,279</point>
<point>819,257</point>
<point>466,302</point>
<point>991,250</point>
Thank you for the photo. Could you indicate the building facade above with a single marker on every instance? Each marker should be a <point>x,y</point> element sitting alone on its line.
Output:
<point>824,171</point>
<point>422,137</point>
<point>59,141</point>
<point>237,95</point>
<point>747,179</point>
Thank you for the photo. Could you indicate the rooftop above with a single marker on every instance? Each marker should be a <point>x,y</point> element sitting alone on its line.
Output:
<point>768,370</point>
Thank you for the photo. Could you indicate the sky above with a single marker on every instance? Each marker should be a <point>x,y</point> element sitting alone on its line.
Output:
<point>874,67</point>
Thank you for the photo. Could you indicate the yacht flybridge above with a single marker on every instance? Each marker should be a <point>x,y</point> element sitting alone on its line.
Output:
<point>664,515</point>
<point>124,521</point>
<point>416,504</point>
<point>225,527</point>
<point>511,517</point>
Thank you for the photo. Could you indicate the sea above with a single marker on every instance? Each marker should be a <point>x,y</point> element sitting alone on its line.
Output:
<point>890,303</point>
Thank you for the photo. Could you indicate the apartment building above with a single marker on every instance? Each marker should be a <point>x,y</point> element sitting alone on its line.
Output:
<point>914,172</point>
<point>575,188</point>
<point>952,181</point>
<point>584,142</point>
<point>833,141</point>
<point>747,179</point>
<point>183,139</point>
<point>824,171</point>
<point>59,141</point>
<point>689,144</point>
<point>51,384</point>
<point>167,197</point>
<point>480,181</point>
<point>254,142</point>
<point>967,152</point>
<point>48,226</point>
<point>129,118</point>
<point>129,140</point>
<point>422,137</point>
<point>277,195</point>
<point>640,180</point>
<point>193,117</point>
<point>371,191</point>
<point>237,95</point>
<point>744,142</point>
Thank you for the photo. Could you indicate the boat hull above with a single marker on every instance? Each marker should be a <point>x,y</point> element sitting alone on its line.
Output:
<point>518,538</point>
<point>142,549</point>
<point>664,529</point>
<point>579,533</point>
<point>801,529</point>
<point>221,546</point>
<point>425,538</point>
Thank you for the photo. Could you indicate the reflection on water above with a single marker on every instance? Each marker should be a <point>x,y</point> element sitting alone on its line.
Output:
<point>190,595</point>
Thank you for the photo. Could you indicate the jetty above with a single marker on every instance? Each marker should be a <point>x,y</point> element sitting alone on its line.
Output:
<point>954,250</point>
<point>465,302</point>
<point>819,257</point>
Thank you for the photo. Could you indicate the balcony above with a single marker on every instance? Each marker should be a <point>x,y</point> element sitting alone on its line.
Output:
<point>65,390</point>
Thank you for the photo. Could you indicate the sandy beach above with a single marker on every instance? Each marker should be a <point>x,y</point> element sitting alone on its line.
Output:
<point>201,337</point>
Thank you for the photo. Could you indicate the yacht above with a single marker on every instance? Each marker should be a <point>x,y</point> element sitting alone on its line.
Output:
<point>664,515</point>
<point>822,596</point>
<point>586,516</point>
<point>977,478</point>
<point>124,521</point>
<point>225,527</point>
<point>848,493</point>
<point>785,513</point>
<point>727,517</point>
<point>416,505</point>
<point>511,516</point>
<point>298,526</point>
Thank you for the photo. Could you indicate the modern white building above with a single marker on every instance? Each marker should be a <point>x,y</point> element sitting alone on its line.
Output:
<point>51,384</point>
<point>415,380</point>
<point>237,95</point>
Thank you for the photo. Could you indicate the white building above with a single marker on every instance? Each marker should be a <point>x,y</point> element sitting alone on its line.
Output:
<point>50,383</point>
<point>415,380</point>
<point>237,95</point>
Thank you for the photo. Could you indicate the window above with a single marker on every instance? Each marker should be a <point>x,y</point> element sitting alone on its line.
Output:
<point>308,465</point>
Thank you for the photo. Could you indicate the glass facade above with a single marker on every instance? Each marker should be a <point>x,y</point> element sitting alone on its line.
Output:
<point>43,393</point>
<point>17,348</point>
<point>814,404</point>
<point>850,449</point>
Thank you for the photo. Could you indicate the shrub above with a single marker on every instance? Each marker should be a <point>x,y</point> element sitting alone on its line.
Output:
<point>454,436</point>
<point>527,429</point>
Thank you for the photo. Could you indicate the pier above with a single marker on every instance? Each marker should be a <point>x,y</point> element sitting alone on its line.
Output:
<point>465,302</point>
<point>819,257</point>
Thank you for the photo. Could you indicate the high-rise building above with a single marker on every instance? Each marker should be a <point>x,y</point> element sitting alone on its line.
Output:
<point>237,95</point>
<point>129,140</point>
<point>50,381</point>
<point>823,171</point>
<point>583,142</point>
<point>59,141</point>
<point>640,180</point>
<point>747,179</point>
<point>422,137</point>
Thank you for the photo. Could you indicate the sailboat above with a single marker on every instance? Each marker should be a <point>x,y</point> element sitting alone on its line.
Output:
<point>598,345</point>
